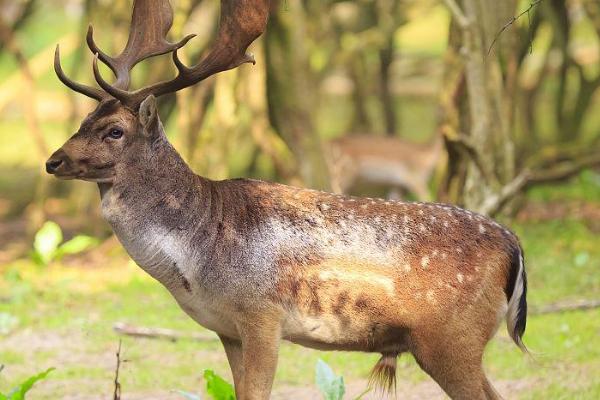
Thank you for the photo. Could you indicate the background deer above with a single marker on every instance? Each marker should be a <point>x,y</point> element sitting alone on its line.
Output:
<point>400,164</point>
<point>259,262</point>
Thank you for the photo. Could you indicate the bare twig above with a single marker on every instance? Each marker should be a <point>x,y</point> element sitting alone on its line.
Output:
<point>457,13</point>
<point>566,306</point>
<point>514,19</point>
<point>117,392</point>
<point>160,333</point>
<point>566,169</point>
<point>529,177</point>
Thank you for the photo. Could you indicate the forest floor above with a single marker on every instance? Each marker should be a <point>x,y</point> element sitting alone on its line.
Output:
<point>65,314</point>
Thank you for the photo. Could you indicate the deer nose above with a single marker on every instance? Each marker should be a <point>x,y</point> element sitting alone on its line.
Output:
<point>56,160</point>
<point>52,165</point>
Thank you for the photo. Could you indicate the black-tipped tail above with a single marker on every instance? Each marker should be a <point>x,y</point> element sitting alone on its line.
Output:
<point>516,293</point>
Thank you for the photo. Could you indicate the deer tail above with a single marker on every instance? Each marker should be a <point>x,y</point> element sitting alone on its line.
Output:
<point>516,292</point>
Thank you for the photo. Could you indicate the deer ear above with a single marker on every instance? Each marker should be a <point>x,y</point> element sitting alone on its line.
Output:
<point>148,114</point>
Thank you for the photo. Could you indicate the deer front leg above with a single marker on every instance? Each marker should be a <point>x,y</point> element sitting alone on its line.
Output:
<point>233,350</point>
<point>260,348</point>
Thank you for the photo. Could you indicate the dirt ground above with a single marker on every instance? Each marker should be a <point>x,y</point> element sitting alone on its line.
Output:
<point>70,349</point>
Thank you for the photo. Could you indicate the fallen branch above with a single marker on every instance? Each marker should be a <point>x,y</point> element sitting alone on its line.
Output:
<point>160,333</point>
<point>566,306</point>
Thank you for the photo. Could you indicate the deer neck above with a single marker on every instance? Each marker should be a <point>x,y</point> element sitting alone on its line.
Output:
<point>162,213</point>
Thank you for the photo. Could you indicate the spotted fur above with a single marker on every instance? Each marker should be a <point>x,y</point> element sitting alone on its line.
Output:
<point>258,262</point>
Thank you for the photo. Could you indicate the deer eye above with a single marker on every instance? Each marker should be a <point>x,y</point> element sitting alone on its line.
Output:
<point>115,133</point>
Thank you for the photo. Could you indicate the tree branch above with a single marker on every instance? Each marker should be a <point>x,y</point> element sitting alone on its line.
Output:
<point>457,13</point>
<point>528,178</point>
<point>465,143</point>
<point>512,21</point>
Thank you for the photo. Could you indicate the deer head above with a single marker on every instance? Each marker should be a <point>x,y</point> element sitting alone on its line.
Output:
<point>126,122</point>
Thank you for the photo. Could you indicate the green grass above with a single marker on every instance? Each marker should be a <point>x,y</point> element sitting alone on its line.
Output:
<point>74,310</point>
<point>584,187</point>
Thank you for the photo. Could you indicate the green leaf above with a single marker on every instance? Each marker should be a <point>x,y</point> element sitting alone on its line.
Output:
<point>46,241</point>
<point>217,387</point>
<point>331,386</point>
<point>20,391</point>
<point>187,395</point>
<point>76,245</point>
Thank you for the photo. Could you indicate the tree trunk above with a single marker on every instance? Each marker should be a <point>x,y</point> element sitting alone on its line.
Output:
<point>482,155</point>
<point>291,93</point>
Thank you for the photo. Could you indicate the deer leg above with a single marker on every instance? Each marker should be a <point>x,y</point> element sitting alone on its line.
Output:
<point>260,348</point>
<point>456,367</point>
<point>490,392</point>
<point>233,350</point>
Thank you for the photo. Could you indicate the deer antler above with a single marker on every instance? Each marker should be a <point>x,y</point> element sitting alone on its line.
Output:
<point>78,87</point>
<point>150,23</point>
<point>241,22</point>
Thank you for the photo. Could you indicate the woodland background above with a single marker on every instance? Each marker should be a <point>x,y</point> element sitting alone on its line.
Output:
<point>516,102</point>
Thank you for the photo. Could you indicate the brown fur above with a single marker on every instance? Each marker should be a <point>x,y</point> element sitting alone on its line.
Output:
<point>258,262</point>
<point>392,161</point>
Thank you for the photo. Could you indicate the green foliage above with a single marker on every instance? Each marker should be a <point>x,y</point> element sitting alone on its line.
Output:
<point>217,387</point>
<point>20,391</point>
<point>47,247</point>
<point>7,323</point>
<point>331,386</point>
<point>46,242</point>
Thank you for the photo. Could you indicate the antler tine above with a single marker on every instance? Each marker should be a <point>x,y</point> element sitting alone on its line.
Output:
<point>89,91</point>
<point>150,23</point>
<point>241,22</point>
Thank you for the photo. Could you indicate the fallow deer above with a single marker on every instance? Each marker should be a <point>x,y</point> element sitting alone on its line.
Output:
<point>259,262</point>
<point>391,161</point>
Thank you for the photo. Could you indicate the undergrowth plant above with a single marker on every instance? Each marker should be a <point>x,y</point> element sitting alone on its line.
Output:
<point>330,385</point>
<point>19,392</point>
<point>48,246</point>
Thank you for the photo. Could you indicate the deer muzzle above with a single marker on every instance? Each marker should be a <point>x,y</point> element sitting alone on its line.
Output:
<point>58,163</point>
